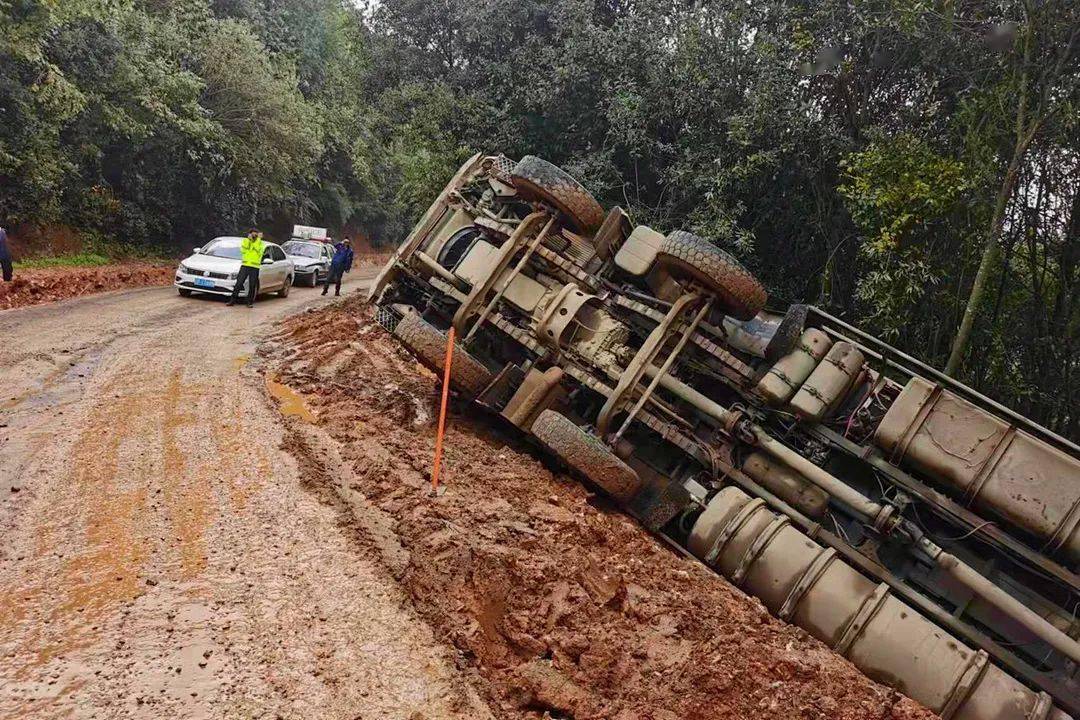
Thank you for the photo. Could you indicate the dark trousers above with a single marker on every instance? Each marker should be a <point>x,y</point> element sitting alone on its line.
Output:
<point>251,274</point>
<point>8,270</point>
<point>335,278</point>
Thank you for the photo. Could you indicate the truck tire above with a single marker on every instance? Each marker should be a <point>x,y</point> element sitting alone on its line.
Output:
<point>539,180</point>
<point>586,454</point>
<point>689,257</point>
<point>467,374</point>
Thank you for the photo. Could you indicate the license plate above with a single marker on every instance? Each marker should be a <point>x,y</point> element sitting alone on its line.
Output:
<point>203,282</point>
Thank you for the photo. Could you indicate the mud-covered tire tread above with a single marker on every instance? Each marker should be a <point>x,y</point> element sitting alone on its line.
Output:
<point>689,256</point>
<point>467,374</point>
<point>586,454</point>
<point>537,179</point>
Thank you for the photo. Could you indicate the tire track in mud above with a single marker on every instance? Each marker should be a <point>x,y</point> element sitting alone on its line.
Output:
<point>557,605</point>
<point>134,516</point>
<point>80,587</point>
<point>187,491</point>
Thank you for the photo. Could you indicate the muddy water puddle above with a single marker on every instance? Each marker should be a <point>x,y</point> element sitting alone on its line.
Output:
<point>289,401</point>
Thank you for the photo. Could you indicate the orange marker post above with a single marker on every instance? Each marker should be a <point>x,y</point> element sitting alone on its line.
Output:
<point>442,412</point>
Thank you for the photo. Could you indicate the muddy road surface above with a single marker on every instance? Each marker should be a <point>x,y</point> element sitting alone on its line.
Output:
<point>160,557</point>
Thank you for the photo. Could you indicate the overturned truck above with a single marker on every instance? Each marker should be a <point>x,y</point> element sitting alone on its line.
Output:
<point>926,533</point>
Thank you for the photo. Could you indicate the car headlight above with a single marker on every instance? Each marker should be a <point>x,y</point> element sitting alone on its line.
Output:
<point>185,269</point>
<point>233,276</point>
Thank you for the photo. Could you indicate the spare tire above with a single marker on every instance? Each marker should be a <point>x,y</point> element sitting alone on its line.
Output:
<point>586,454</point>
<point>538,180</point>
<point>467,374</point>
<point>686,256</point>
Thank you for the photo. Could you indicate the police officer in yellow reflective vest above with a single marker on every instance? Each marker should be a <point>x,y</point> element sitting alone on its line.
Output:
<point>251,255</point>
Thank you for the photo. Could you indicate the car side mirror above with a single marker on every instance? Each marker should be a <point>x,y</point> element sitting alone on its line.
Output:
<point>268,260</point>
<point>196,251</point>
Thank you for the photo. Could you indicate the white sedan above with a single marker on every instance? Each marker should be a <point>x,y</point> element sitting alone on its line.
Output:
<point>213,269</point>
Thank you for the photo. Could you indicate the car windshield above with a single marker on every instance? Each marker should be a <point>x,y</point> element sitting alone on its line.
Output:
<point>229,248</point>
<point>302,250</point>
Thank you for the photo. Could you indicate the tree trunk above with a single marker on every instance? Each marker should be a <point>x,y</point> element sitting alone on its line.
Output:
<point>991,250</point>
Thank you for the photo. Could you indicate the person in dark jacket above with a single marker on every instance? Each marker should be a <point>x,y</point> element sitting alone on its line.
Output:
<point>5,256</point>
<point>341,264</point>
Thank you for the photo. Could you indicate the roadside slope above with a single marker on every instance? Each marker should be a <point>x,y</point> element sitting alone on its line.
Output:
<point>555,602</point>
<point>35,286</point>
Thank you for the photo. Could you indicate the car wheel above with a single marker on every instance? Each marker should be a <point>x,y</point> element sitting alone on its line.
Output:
<point>467,374</point>
<point>314,280</point>
<point>586,454</point>
<point>686,256</point>
<point>184,292</point>
<point>284,291</point>
<point>537,179</point>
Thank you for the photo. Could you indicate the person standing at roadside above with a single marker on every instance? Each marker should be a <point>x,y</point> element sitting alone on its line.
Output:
<point>5,256</point>
<point>341,264</point>
<point>251,254</point>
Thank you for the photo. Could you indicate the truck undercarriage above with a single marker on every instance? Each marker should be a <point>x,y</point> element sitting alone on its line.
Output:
<point>921,530</point>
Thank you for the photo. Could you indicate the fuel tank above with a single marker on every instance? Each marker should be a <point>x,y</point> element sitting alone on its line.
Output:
<point>826,387</point>
<point>994,466</point>
<point>810,585</point>
<point>789,372</point>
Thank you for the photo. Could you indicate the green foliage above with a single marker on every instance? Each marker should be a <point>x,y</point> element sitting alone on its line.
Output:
<point>900,194</point>
<point>270,134</point>
<point>77,260</point>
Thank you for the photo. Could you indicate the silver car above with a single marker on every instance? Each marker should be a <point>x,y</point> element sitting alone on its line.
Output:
<point>213,268</point>
<point>311,259</point>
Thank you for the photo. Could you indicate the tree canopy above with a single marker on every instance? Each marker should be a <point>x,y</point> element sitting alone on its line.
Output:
<point>911,166</point>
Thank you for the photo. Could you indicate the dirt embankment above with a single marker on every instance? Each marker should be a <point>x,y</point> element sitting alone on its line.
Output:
<point>42,285</point>
<point>558,605</point>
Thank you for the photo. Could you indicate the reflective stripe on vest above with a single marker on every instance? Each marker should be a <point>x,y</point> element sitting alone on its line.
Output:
<point>251,251</point>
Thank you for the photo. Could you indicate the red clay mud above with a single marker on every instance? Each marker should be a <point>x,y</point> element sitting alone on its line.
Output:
<point>33,287</point>
<point>558,605</point>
